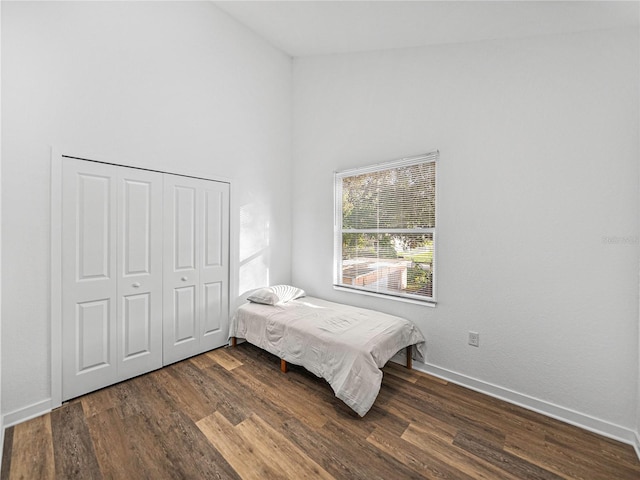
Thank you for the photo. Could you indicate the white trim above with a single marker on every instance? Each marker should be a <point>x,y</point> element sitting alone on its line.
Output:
<point>436,247</point>
<point>26,413</point>
<point>337,228</point>
<point>55,280</point>
<point>419,231</point>
<point>566,415</point>
<point>431,156</point>
<point>397,298</point>
<point>124,162</point>
<point>234,250</point>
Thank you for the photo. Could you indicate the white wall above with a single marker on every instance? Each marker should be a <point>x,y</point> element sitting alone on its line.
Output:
<point>171,86</point>
<point>538,205</point>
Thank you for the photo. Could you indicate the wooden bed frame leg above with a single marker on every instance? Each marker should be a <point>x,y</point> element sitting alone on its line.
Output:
<point>283,366</point>
<point>409,357</point>
<point>234,341</point>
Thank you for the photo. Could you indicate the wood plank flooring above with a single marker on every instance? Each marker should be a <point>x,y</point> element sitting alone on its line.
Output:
<point>231,414</point>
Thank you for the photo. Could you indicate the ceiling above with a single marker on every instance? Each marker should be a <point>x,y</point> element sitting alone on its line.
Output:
<point>303,28</point>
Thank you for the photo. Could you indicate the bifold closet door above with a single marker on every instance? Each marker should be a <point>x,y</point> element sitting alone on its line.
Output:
<point>196,266</point>
<point>139,269</point>
<point>111,274</point>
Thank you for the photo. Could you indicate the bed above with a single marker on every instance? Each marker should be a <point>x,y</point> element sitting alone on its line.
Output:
<point>345,345</point>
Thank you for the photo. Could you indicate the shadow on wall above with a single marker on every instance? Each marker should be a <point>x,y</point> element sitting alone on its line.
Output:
<point>254,247</point>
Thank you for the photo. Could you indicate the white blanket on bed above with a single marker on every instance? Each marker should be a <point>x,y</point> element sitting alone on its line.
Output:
<point>345,345</point>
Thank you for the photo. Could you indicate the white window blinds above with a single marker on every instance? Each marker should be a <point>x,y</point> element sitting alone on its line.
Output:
<point>385,228</point>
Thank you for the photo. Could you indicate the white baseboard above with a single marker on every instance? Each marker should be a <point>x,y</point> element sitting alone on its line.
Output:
<point>1,439</point>
<point>636,443</point>
<point>557,412</point>
<point>26,413</point>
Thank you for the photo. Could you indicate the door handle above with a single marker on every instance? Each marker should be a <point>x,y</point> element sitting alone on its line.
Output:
<point>184,279</point>
<point>136,285</point>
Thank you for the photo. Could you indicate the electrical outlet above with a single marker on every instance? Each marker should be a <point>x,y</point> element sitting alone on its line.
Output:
<point>474,339</point>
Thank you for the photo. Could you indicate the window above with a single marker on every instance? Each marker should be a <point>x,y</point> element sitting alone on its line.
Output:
<point>385,227</point>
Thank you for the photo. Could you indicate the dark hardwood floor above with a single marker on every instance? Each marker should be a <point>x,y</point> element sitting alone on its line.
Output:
<point>231,413</point>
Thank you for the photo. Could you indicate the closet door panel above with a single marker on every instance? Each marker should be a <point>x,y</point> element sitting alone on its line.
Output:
<point>213,308</point>
<point>94,226</point>
<point>215,218</point>
<point>181,275</point>
<point>89,358</point>
<point>184,227</point>
<point>137,226</point>
<point>139,271</point>
<point>137,326</point>
<point>196,306</point>
<point>215,265</point>
<point>92,335</point>
<point>184,324</point>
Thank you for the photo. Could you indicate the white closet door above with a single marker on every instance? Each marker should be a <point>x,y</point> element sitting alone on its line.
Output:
<point>112,274</point>
<point>214,266</point>
<point>89,303</point>
<point>139,271</point>
<point>195,266</point>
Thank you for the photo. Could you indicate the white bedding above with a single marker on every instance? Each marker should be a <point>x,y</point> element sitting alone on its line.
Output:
<point>345,345</point>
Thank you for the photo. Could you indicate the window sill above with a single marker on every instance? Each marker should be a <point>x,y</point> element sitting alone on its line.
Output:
<point>424,303</point>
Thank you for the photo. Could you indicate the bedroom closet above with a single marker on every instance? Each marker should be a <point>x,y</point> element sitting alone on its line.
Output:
<point>144,271</point>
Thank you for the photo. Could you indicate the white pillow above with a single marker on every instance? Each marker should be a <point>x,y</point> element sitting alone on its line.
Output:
<point>276,294</point>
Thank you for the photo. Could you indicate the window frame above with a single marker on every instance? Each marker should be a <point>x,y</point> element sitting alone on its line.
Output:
<point>431,157</point>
